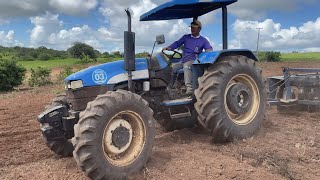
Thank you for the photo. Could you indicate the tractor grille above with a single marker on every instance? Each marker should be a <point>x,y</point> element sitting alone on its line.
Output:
<point>79,98</point>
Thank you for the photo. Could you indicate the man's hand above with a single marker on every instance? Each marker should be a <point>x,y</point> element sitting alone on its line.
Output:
<point>166,48</point>
<point>208,50</point>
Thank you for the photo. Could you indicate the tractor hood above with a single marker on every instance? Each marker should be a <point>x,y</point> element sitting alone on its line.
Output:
<point>109,73</point>
<point>179,9</point>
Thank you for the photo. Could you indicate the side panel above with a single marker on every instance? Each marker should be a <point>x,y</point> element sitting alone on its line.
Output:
<point>110,73</point>
<point>212,57</point>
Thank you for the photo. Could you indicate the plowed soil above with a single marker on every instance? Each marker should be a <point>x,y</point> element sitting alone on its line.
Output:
<point>286,147</point>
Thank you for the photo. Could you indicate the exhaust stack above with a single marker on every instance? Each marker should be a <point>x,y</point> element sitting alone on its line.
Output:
<point>129,51</point>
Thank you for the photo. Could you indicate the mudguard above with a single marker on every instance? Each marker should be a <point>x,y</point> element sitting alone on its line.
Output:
<point>213,56</point>
<point>110,73</point>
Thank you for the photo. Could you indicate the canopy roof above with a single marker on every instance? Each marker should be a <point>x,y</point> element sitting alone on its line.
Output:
<point>179,9</point>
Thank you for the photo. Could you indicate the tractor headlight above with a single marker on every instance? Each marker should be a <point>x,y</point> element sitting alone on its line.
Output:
<point>75,84</point>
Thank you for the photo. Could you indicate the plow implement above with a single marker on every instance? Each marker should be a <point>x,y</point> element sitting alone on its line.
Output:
<point>297,89</point>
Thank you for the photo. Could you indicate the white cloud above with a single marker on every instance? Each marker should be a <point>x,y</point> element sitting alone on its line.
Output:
<point>14,8</point>
<point>44,27</point>
<point>73,7</point>
<point>114,13</point>
<point>49,31</point>
<point>63,39</point>
<point>257,10</point>
<point>29,8</point>
<point>272,37</point>
<point>7,39</point>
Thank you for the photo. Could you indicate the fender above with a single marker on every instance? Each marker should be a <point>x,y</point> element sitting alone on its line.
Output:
<point>212,57</point>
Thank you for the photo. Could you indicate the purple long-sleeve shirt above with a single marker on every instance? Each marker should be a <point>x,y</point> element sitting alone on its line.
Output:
<point>192,46</point>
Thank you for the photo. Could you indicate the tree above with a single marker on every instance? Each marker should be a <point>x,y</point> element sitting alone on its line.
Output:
<point>97,53</point>
<point>142,55</point>
<point>79,49</point>
<point>116,54</point>
<point>106,54</point>
<point>11,74</point>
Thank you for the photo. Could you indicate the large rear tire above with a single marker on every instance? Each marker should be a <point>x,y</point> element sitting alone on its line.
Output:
<point>114,136</point>
<point>64,147</point>
<point>231,99</point>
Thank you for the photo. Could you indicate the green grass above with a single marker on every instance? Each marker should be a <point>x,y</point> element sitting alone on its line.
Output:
<point>311,56</point>
<point>56,63</point>
<point>48,64</point>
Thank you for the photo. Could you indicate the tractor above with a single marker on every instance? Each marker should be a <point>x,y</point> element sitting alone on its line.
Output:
<point>107,117</point>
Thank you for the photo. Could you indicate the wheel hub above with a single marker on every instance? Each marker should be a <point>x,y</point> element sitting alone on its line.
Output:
<point>120,137</point>
<point>239,98</point>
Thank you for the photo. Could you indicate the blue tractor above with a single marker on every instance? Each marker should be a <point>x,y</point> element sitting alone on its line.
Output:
<point>107,117</point>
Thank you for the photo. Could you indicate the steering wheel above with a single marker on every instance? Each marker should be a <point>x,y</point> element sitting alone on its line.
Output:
<point>172,56</point>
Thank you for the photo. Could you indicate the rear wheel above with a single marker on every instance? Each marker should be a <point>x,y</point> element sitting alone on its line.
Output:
<point>61,147</point>
<point>231,99</point>
<point>114,136</point>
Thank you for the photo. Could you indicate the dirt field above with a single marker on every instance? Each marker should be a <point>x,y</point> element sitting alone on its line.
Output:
<point>287,146</point>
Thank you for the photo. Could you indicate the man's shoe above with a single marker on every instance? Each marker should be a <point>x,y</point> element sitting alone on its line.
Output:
<point>189,91</point>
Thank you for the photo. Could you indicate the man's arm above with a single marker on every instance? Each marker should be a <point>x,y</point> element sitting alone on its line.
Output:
<point>176,44</point>
<point>207,46</point>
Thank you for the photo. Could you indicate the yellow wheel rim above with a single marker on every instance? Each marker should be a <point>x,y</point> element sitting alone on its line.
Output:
<point>135,140</point>
<point>254,100</point>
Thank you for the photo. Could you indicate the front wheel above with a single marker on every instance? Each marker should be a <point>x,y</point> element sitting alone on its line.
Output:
<point>62,147</point>
<point>231,99</point>
<point>114,136</point>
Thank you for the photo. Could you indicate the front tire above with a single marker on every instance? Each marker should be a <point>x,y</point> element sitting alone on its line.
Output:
<point>63,148</point>
<point>114,136</point>
<point>231,99</point>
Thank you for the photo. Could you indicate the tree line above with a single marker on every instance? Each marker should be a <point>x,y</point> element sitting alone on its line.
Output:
<point>78,50</point>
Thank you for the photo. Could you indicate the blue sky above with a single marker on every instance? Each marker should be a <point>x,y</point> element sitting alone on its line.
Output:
<point>288,25</point>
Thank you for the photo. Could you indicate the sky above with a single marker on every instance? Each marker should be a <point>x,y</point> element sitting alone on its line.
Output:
<point>287,25</point>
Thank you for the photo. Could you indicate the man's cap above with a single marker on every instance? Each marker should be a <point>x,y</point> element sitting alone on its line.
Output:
<point>196,24</point>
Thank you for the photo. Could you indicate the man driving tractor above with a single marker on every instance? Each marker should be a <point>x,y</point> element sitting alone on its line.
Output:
<point>194,44</point>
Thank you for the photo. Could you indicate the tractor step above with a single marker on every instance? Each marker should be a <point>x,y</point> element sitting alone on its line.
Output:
<point>179,113</point>
<point>176,102</point>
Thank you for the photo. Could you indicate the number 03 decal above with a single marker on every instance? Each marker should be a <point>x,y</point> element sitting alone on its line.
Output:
<point>99,76</point>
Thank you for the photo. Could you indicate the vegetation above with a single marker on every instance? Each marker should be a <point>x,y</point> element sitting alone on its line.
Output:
<point>82,51</point>
<point>29,54</point>
<point>142,55</point>
<point>11,74</point>
<point>295,56</point>
<point>48,64</point>
<point>271,56</point>
<point>65,73</point>
<point>39,77</point>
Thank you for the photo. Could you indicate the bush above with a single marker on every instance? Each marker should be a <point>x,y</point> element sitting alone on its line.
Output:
<point>39,77</point>
<point>65,73</point>
<point>11,74</point>
<point>271,56</point>
<point>85,59</point>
